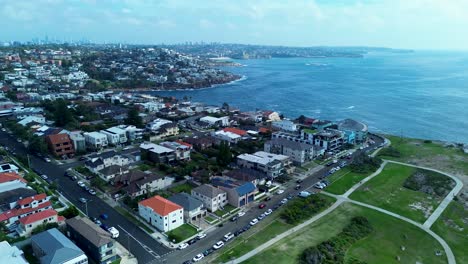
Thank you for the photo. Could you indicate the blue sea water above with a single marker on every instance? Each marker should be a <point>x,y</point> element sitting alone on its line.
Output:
<point>423,94</point>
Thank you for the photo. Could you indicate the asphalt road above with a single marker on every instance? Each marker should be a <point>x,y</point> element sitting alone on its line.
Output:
<point>212,237</point>
<point>140,244</point>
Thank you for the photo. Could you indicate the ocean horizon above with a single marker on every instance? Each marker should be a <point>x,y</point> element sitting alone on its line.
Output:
<point>423,94</point>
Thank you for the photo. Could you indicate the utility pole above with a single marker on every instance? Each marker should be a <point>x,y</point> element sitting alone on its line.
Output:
<point>29,161</point>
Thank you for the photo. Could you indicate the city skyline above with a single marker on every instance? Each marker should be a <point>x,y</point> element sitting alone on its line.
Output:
<point>419,24</point>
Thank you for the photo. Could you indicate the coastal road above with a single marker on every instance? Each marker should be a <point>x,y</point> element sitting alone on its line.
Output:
<point>139,243</point>
<point>216,234</point>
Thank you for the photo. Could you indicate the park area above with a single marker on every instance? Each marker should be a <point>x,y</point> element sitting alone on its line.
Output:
<point>343,180</point>
<point>391,239</point>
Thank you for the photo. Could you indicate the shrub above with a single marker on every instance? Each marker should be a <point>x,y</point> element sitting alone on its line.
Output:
<point>301,209</point>
<point>427,141</point>
<point>390,152</point>
<point>363,163</point>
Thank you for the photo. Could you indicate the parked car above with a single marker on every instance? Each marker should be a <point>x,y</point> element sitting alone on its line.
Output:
<point>234,218</point>
<point>284,201</point>
<point>183,246</point>
<point>268,198</point>
<point>241,214</point>
<point>260,217</point>
<point>201,235</point>
<point>228,237</point>
<point>268,212</point>
<point>73,178</point>
<point>254,222</point>
<point>43,176</point>
<point>299,181</point>
<point>104,226</point>
<point>198,257</point>
<point>47,159</point>
<point>192,241</point>
<point>92,191</point>
<point>297,187</point>
<point>280,191</point>
<point>218,245</point>
<point>81,184</point>
<point>82,158</point>
<point>83,200</point>
<point>208,252</point>
<point>262,205</point>
<point>104,216</point>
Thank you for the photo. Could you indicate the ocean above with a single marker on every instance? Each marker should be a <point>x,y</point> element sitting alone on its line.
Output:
<point>423,94</point>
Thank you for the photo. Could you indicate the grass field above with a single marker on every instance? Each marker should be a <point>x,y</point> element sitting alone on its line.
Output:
<point>382,246</point>
<point>430,154</point>
<point>452,226</point>
<point>344,179</point>
<point>187,188</point>
<point>181,233</point>
<point>386,191</point>
<point>257,235</point>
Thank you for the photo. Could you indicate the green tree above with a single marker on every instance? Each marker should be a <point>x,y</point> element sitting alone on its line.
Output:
<point>133,118</point>
<point>37,145</point>
<point>70,212</point>
<point>62,115</point>
<point>224,156</point>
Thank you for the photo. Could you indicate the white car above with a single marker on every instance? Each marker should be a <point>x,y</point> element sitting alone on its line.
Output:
<point>43,176</point>
<point>198,257</point>
<point>92,192</point>
<point>284,201</point>
<point>268,212</point>
<point>280,191</point>
<point>254,222</point>
<point>183,246</point>
<point>201,235</point>
<point>228,237</point>
<point>241,214</point>
<point>218,245</point>
<point>81,184</point>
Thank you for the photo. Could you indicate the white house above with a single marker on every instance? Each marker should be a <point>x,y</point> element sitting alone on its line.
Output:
<point>35,118</point>
<point>216,121</point>
<point>226,136</point>
<point>115,135</point>
<point>285,125</point>
<point>161,213</point>
<point>96,140</point>
<point>156,124</point>
<point>212,197</point>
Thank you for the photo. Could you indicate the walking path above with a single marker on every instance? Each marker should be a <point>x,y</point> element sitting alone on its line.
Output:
<point>344,198</point>
<point>440,209</point>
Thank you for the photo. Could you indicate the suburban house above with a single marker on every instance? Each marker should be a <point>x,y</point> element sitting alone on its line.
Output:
<point>271,116</point>
<point>161,213</point>
<point>200,143</point>
<point>60,145</point>
<point>352,126</point>
<point>236,131</point>
<point>78,141</point>
<point>11,181</point>
<point>133,133</point>
<point>25,207</point>
<point>29,222</point>
<point>115,136</point>
<point>136,183</point>
<point>299,152</point>
<point>285,125</point>
<point>112,171</point>
<point>212,197</point>
<point>156,124</point>
<point>193,208</point>
<point>93,240</point>
<point>182,151</point>
<point>215,121</point>
<point>273,165</point>
<point>11,254</point>
<point>97,162</point>
<point>157,153</point>
<point>96,140</point>
<point>226,136</point>
<point>8,199</point>
<point>8,167</point>
<point>247,175</point>
<point>52,247</point>
<point>238,193</point>
<point>166,130</point>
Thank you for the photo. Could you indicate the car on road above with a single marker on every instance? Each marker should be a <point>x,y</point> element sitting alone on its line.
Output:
<point>201,235</point>
<point>262,205</point>
<point>218,245</point>
<point>82,158</point>
<point>97,222</point>
<point>192,241</point>
<point>46,159</point>
<point>234,218</point>
<point>318,186</point>
<point>268,198</point>
<point>241,214</point>
<point>198,257</point>
<point>280,191</point>
<point>254,222</point>
<point>304,194</point>
<point>284,201</point>
<point>297,187</point>
<point>83,200</point>
<point>228,237</point>
<point>208,252</point>
<point>268,212</point>
<point>114,232</point>
<point>183,246</point>
<point>299,181</point>
<point>260,217</point>
<point>73,178</point>
<point>43,176</point>
<point>81,184</point>
<point>104,226</point>
<point>92,192</point>
<point>104,216</point>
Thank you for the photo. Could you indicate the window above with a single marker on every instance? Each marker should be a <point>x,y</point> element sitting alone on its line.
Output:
<point>173,221</point>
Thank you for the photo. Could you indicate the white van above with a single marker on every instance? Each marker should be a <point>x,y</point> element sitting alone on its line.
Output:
<point>114,232</point>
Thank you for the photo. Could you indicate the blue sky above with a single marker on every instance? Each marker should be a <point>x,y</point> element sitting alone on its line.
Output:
<point>417,24</point>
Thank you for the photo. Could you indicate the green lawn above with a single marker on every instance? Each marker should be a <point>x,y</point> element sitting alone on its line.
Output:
<point>181,233</point>
<point>452,226</point>
<point>209,219</point>
<point>382,246</point>
<point>220,212</point>
<point>132,218</point>
<point>267,229</point>
<point>386,191</point>
<point>344,179</point>
<point>433,154</point>
<point>187,188</point>
<point>310,165</point>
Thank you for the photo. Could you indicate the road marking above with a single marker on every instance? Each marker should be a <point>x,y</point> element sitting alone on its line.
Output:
<point>145,247</point>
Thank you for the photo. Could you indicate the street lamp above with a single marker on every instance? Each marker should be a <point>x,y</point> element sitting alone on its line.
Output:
<point>86,206</point>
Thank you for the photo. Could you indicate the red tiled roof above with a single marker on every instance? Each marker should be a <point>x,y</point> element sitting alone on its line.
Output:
<point>59,138</point>
<point>17,212</point>
<point>160,205</point>
<point>30,199</point>
<point>38,216</point>
<point>184,143</point>
<point>236,131</point>
<point>264,130</point>
<point>11,176</point>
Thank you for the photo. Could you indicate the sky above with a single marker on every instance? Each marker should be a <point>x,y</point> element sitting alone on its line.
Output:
<point>414,24</point>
